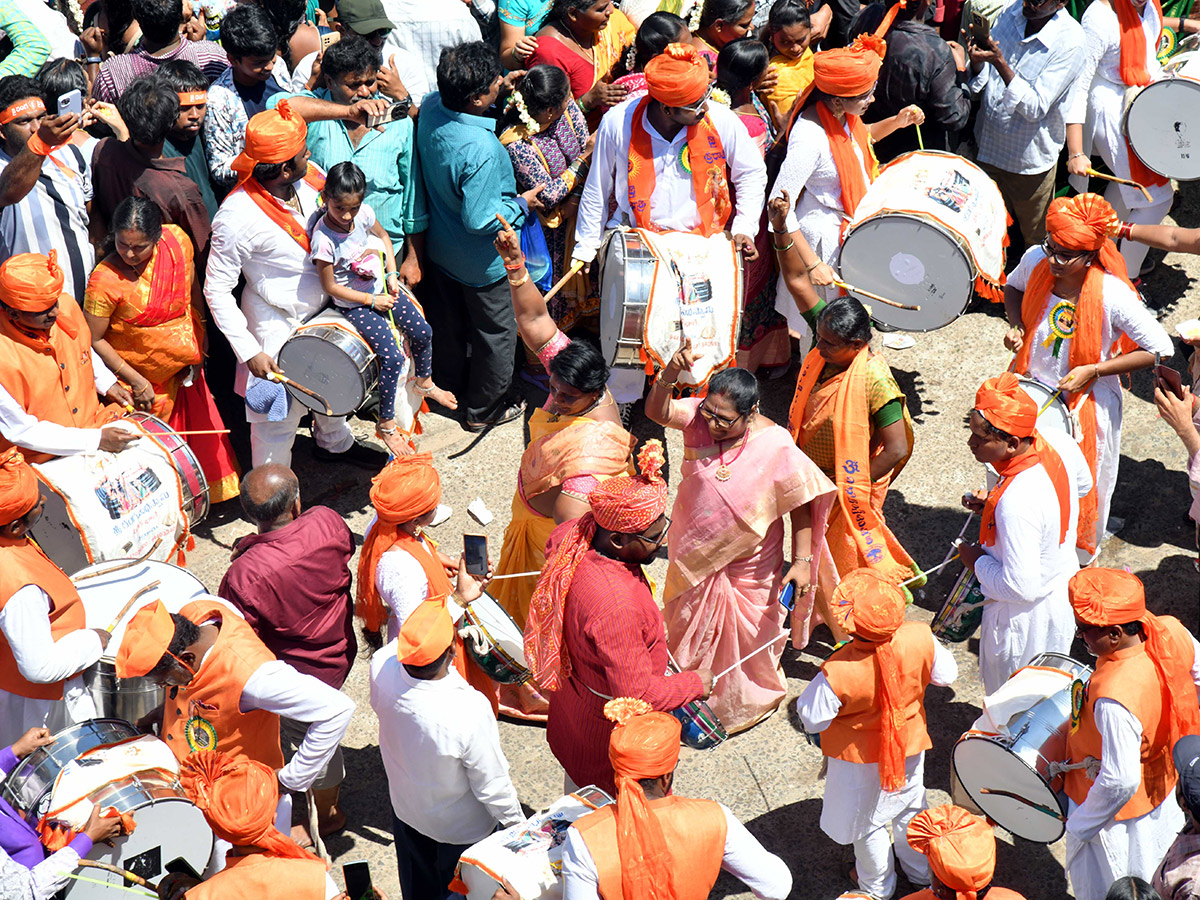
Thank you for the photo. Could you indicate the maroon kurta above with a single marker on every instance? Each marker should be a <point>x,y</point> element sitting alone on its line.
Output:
<point>293,587</point>
<point>617,643</point>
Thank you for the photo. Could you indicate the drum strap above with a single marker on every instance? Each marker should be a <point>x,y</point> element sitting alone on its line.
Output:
<point>598,694</point>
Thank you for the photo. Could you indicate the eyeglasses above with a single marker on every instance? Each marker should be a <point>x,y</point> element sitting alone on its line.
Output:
<point>699,104</point>
<point>1061,256</point>
<point>661,536</point>
<point>720,421</point>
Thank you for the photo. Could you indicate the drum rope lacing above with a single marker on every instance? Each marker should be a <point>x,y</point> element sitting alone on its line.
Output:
<point>1054,769</point>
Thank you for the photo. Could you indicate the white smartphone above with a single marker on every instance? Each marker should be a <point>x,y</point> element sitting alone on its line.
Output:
<point>70,102</point>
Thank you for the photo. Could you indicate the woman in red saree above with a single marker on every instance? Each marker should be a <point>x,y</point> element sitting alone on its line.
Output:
<point>143,307</point>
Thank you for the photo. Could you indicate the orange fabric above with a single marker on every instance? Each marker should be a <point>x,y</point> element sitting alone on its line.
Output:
<point>849,71</point>
<point>853,672</point>
<point>678,76</point>
<point>1003,404</point>
<point>19,491</point>
<point>31,282</point>
<point>626,504</point>
<point>1134,72</point>
<point>272,136</point>
<point>147,637</point>
<point>889,17</point>
<point>849,168</point>
<point>1074,223</point>
<point>193,98</point>
<point>276,211</point>
<point>264,877</point>
<point>994,893</point>
<point>706,160</point>
<point>29,106</point>
<point>961,848</point>
<point>852,439</point>
<point>206,709</point>
<point>694,836</point>
<point>1132,677</point>
<point>22,563</point>
<point>238,797</point>
<point>426,633</point>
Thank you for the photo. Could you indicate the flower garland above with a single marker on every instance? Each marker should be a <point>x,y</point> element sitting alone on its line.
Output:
<point>531,125</point>
<point>694,20</point>
<point>721,96</point>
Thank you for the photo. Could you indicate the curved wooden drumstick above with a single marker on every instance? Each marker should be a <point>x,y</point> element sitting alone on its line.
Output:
<point>283,379</point>
<point>132,600</point>
<point>124,873</point>
<point>1094,174</point>
<point>576,266</point>
<point>849,287</point>
<point>123,564</point>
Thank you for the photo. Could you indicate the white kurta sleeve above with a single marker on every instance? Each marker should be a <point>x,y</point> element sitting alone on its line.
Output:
<point>797,168</point>
<point>102,375</point>
<point>25,621</point>
<point>22,429</point>
<point>1120,770</point>
<point>1095,46</point>
<point>945,666</point>
<point>580,880</point>
<point>50,875</point>
<point>277,687</point>
<point>487,770</point>
<point>599,186</point>
<point>764,873</point>
<point>1019,543</point>
<point>225,257</point>
<point>748,175</point>
<point>1129,315</point>
<point>818,705</point>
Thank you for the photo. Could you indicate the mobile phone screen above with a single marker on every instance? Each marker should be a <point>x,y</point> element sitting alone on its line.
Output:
<point>475,553</point>
<point>358,880</point>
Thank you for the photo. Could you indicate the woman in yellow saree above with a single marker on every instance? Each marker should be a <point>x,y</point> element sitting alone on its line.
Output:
<point>576,441</point>
<point>143,306</point>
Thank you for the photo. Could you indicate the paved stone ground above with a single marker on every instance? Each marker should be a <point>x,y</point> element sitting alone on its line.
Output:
<point>770,776</point>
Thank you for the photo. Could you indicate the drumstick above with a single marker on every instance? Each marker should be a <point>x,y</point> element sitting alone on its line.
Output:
<point>124,873</point>
<point>516,575</point>
<point>132,600</point>
<point>123,564</point>
<point>1056,813</point>
<point>1046,405</point>
<point>770,643</point>
<point>850,287</point>
<point>206,431</point>
<point>109,884</point>
<point>576,267</point>
<point>1092,172</point>
<point>929,572</point>
<point>283,379</point>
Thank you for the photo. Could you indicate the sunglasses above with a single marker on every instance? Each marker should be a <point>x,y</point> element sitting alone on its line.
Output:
<point>661,536</point>
<point>699,104</point>
<point>721,421</point>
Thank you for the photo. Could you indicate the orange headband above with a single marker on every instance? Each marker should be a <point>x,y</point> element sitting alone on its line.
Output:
<point>30,105</point>
<point>192,98</point>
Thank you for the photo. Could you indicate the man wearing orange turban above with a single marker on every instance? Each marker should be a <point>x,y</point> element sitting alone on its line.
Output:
<point>961,848</point>
<point>868,705</point>
<point>594,631</point>
<point>1138,702</point>
<point>662,158</point>
<point>1081,346</point>
<point>260,233</point>
<point>1026,549</point>
<point>447,775</point>
<point>238,798</point>
<point>44,639</point>
<point>652,844</point>
<point>227,693</point>
<point>49,376</point>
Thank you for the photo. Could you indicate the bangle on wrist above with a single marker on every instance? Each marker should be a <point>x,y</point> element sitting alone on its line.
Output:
<point>93,60</point>
<point>1073,155</point>
<point>790,245</point>
<point>1125,231</point>
<point>802,559</point>
<point>812,265</point>
<point>517,265</point>
<point>520,281</point>
<point>1097,375</point>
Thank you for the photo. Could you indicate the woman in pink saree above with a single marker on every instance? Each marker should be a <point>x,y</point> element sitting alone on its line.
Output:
<point>742,474</point>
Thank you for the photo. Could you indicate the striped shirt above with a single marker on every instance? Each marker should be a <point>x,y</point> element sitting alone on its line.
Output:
<point>54,216</point>
<point>30,46</point>
<point>118,72</point>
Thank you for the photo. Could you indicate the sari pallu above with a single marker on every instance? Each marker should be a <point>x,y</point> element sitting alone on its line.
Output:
<point>726,552</point>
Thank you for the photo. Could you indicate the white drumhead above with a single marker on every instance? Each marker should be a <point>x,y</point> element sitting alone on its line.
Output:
<point>499,625</point>
<point>912,261</point>
<point>1163,125</point>
<point>325,368</point>
<point>104,595</point>
<point>612,295</point>
<point>1055,414</point>
<point>982,764</point>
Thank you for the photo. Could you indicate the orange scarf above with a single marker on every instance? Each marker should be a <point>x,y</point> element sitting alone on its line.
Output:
<point>1039,452</point>
<point>170,284</point>
<point>705,160</point>
<point>277,212</point>
<point>381,539</point>
<point>1134,73</point>
<point>849,169</point>
<point>1085,351</point>
<point>852,440</point>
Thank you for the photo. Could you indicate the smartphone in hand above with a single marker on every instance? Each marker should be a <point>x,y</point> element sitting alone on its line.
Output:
<point>476,554</point>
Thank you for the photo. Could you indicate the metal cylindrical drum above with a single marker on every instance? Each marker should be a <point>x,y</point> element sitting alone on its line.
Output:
<point>120,698</point>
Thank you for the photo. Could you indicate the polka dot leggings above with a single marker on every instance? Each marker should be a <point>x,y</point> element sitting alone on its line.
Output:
<point>376,331</point>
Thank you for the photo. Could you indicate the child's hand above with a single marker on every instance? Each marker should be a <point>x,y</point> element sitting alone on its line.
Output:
<point>384,302</point>
<point>393,284</point>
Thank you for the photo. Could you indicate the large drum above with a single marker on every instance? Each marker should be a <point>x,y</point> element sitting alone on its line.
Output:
<point>107,590</point>
<point>103,506</point>
<point>1007,762</point>
<point>930,228</point>
<point>528,855</point>
<point>1162,120</point>
<point>656,289</point>
<point>1053,413</point>
<point>170,833</point>
<point>962,612</point>
<point>327,355</point>
<point>503,657</point>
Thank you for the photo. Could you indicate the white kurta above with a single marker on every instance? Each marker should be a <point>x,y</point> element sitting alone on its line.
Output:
<point>1124,314</point>
<point>1024,574</point>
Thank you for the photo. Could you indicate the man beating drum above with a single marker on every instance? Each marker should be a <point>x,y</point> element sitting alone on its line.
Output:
<point>44,644</point>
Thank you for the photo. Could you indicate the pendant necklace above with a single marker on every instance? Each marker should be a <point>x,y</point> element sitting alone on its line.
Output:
<point>723,473</point>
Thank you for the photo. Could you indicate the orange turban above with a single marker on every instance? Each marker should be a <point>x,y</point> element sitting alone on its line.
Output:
<point>19,490</point>
<point>644,744</point>
<point>961,848</point>
<point>426,633</point>
<point>1107,596</point>
<point>31,282</point>
<point>678,76</point>
<point>1005,406</point>
<point>626,505</point>
<point>147,637</point>
<point>1081,222</point>
<point>849,71</point>
<point>238,798</point>
<point>273,136</point>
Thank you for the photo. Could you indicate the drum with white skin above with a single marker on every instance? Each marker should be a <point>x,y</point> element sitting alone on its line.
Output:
<point>1162,120</point>
<point>501,653</point>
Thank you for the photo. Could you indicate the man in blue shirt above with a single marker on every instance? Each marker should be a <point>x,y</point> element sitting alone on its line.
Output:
<point>468,180</point>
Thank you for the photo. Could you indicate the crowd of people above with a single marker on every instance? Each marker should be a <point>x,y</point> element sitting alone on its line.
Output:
<point>186,183</point>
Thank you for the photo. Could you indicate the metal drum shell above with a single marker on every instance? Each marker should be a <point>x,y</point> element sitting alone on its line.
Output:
<point>127,699</point>
<point>626,282</point>
<point>951,625</point>
<point>701,730</point>
<point>496,663</point>
<point>187,465</point>
<point>298,359</point>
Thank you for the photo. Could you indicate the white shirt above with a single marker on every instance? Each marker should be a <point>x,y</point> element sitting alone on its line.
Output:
<point>54,28</point>
<point>25,622</point>
<point>447,775</point>
<point>1021,126</point>
<point>424,29</point>
<point>673,203</point>
<point>22,429</point>
<point>745,858</point>
<point>42,882</point>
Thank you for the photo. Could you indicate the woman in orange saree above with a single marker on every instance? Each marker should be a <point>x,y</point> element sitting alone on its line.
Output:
<point>741,476</point>
<point>576,441</point>
<point>143,307</point>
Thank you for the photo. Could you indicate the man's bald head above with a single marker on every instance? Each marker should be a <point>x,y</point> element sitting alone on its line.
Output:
<point>270,493</point>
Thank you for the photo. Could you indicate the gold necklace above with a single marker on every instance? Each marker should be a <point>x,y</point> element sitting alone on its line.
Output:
<point>723,472</point>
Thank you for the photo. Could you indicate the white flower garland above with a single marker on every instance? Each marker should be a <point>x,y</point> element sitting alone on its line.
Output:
<point>694,20</point>
<point>531,125</point>
<point>76,14</point>
<point>721,97</point>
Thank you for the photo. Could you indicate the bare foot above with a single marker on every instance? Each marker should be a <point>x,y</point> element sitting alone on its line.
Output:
<point>397,442</point>
<point>426,388</point>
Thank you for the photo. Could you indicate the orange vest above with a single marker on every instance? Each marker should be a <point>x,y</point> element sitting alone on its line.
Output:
<point>22,563</point>
<point>695,833</point>
<point>993,893</point>
<point>204,715</point>
<point>854,735</point>
<point>52,379</point>
<point>264,877</point>
<point>1128,676</point>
